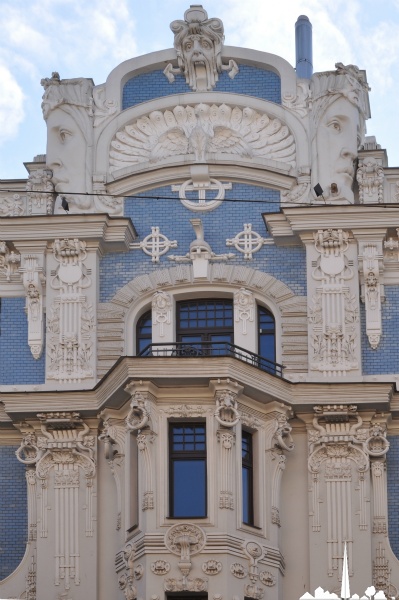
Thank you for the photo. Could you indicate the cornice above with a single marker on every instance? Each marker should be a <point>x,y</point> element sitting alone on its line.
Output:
<point>111,234</point>
<point>177,373</point>
<point>287,226</point>
<point>136,179</point>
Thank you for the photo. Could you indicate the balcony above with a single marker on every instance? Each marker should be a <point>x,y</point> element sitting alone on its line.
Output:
<point>210,350</point>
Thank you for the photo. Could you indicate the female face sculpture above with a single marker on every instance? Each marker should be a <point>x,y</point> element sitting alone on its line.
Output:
<point>66,153</point>
<point>66,109</point>
<point>337,141</point>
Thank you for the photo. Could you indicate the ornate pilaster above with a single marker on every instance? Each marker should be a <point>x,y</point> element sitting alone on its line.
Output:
<point>334,333</point>
<point>226,440</point>
<point>161,315</point>
<point>33,280</point>
<point>371,267</point>
<point>71,319</point>
<point>61,455</point>
<point>370,177</point>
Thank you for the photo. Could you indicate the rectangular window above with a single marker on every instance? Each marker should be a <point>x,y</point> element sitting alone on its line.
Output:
<point>247,479</point>
<point>187,470</point>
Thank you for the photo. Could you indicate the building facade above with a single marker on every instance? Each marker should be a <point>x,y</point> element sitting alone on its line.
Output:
<point>199,290</point>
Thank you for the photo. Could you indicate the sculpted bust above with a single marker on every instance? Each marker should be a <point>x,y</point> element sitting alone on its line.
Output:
<point>338,115</point>
<point>67,110</point>
<point>198,43</point>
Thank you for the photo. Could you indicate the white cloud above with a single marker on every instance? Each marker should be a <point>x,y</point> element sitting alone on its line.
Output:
<point>11,105</point>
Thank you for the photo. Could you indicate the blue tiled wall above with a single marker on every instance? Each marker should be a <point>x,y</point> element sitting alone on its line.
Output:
<point>393,493</point>
<point>385,359</point>
<point>250,81</point>
<point>286,264</point>
<point>17,365</point>
<point>13,511</point>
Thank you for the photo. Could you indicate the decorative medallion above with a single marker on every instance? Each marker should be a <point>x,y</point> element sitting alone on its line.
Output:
<point>185,533</point>
<point>212,567</point>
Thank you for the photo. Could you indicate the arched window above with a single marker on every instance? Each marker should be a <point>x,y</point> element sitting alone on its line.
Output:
<point>266,334</point>
<point>206,324</point>
<point>143,331</point>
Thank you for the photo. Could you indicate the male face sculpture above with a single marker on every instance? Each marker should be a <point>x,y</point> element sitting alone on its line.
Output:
<point>337,141</point>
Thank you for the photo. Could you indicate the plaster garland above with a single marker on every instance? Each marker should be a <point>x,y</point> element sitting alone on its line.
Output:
<point>113,436</point>
<point>202,130</point>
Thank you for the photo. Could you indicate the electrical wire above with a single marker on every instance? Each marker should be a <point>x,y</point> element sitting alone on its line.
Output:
<point>160,197</point>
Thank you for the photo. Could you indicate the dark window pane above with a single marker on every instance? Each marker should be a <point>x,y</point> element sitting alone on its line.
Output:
<point>267,336</point>
<point>143,332</point>
<point>246,495</point>
<point>189,488</point>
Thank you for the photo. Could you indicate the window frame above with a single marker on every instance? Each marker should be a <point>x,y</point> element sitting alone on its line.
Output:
<point>174,455</point>
<point>205,332</point>
<point>261,308</point>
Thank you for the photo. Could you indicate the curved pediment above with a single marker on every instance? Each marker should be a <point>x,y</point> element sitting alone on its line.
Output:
<point>202,130</point>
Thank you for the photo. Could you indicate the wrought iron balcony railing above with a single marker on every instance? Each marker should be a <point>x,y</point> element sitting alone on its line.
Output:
<point>210,350</point>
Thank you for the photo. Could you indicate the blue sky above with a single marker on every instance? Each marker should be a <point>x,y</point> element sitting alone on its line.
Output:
<point>88,39</point>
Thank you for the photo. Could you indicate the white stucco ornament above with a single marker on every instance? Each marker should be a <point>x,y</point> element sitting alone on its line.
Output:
<point>202,130</point>
<point>156,244</point>
<point>338,113</point>
<point>247,241</point>
<point>198,43</point>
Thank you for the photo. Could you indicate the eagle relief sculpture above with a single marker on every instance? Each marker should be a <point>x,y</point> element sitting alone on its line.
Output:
<point>201,130</point>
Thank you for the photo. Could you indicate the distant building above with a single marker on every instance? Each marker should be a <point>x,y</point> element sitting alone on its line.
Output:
<point>199,317</point>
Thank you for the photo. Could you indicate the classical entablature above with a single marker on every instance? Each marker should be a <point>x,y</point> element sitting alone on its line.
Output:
<point>121,313</point>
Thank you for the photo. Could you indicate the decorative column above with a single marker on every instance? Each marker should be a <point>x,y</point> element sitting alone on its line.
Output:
<point>71,321</point>
<point>334,330</point>
<point>113,437</point>
<point>281,441</point>
<point>227,415</point>
<point>138,421</point>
